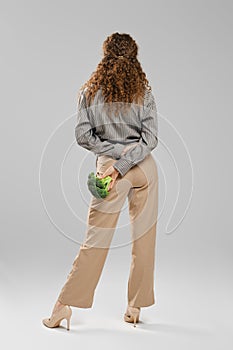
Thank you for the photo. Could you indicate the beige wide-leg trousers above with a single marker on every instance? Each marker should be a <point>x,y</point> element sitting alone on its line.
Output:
<point>140,186</point>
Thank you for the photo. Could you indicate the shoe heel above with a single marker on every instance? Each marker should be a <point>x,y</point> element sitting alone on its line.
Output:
<point>68,324</point>
<point>134,320</point>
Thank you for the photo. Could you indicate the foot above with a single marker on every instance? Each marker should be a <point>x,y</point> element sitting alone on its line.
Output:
<point>57,307</point>
<point>132,314</point>
<point>59,313</point>
<point>133,308</point>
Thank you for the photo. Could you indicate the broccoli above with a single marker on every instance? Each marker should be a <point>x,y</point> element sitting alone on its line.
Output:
<point>98,187</point>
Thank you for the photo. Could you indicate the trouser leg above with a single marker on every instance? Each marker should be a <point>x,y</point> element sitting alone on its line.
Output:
<point>143,210</point>
<point>102,218</point>
<point>81,282</point>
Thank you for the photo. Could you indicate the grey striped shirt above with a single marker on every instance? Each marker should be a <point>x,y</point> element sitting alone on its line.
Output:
<point>128,138</point>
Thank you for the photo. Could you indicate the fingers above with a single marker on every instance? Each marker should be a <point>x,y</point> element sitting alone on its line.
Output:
<point>111,185</point>
<point>104,175</point>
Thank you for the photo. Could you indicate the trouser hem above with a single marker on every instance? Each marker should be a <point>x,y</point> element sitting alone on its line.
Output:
<point>83,306</point>
<point>142,304</point>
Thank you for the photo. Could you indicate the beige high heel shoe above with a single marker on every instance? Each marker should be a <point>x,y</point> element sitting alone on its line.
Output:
<point>58,316</point>
<point>132,315</point>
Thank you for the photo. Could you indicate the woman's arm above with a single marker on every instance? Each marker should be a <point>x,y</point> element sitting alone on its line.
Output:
<point>147,142</point>
<point>86,137</point>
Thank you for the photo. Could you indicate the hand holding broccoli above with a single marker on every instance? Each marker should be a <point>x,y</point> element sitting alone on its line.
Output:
<point>98,187</point>
<point>111,171</point>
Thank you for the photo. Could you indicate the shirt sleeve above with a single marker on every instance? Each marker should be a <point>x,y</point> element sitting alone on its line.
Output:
<point>86,137</point>
<point>148,140</point>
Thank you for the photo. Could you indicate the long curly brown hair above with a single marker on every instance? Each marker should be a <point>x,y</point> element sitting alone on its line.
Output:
<point>119,75</point>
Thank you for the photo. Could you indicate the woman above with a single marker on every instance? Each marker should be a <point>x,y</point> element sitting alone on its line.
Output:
<point>117,121</point>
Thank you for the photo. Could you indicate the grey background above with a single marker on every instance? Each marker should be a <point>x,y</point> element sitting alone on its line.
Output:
<point>49,49</point>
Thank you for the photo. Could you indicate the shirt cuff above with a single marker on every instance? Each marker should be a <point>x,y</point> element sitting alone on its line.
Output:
<point>123,165</point>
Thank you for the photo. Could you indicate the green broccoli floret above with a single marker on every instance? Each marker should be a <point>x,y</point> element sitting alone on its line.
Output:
<point>98,187</point>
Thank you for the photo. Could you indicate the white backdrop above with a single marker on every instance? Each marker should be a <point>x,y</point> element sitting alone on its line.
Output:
<point>49,49</point>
